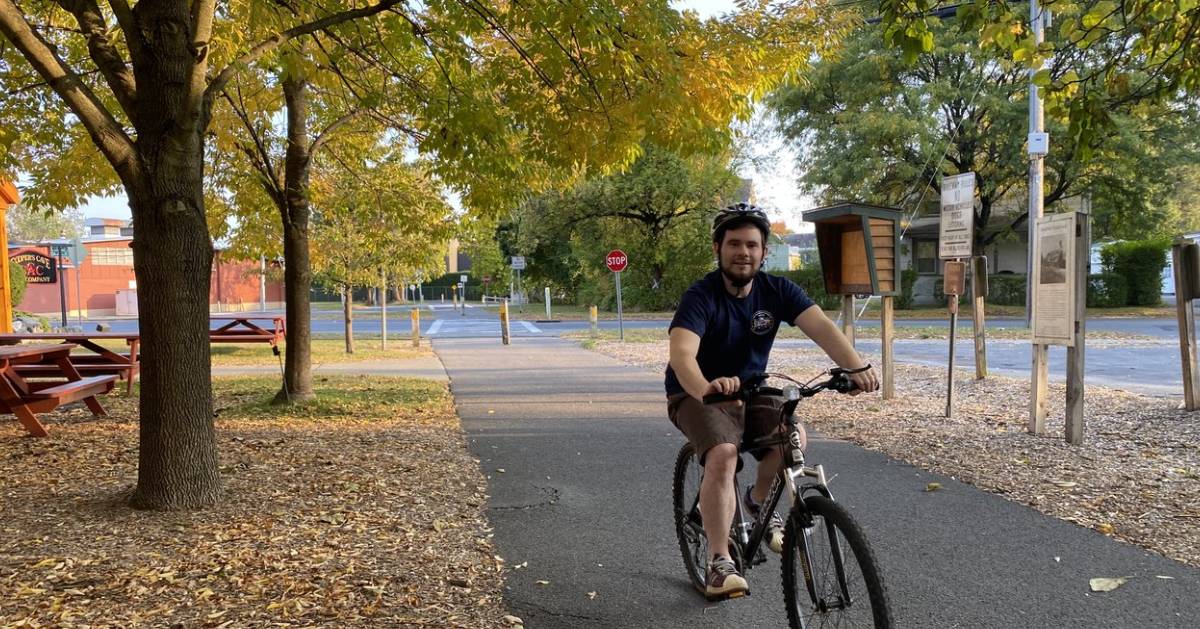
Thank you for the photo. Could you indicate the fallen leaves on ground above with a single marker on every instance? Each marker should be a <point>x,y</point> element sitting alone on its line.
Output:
<point>363,509</point>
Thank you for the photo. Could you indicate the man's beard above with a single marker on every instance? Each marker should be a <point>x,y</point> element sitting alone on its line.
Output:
<point>734,280</point>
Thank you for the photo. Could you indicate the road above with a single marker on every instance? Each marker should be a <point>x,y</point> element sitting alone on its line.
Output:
<point>1149,366</point>
<point>578,452</point>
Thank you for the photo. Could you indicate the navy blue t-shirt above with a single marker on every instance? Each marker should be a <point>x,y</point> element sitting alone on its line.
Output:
<point>735,333</point>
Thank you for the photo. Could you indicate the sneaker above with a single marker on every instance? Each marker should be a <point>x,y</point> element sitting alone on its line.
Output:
<point>774,534</point>
<point>723,580</point>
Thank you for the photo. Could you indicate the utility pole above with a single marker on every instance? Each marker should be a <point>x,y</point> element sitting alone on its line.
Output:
<point>1037,145</point>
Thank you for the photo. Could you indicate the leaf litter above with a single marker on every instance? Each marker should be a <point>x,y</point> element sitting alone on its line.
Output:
<point>335,514</point>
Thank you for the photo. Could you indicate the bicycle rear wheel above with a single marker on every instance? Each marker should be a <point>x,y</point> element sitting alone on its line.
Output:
<point>689,528</point>
<point>830,574</point>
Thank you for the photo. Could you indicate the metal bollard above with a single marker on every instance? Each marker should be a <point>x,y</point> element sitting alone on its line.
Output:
<point>504,335</point>
<point>593,316</point>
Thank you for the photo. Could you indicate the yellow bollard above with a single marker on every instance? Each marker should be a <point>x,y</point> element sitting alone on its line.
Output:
<point>415,315</point>
<point>593,316</point>
<point>504,338</point>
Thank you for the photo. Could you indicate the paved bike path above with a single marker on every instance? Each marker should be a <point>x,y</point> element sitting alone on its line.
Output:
<point>583,506</point>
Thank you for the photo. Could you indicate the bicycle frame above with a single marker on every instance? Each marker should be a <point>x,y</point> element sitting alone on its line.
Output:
<point>793,470</point>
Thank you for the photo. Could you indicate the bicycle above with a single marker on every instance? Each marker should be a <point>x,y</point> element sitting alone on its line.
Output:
<point>829,570</point>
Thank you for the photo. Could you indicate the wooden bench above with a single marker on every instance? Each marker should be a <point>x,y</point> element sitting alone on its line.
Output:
<point>24,398</point>
<point>243,329</point>
<point>98,360</point>
<point>68,392</point>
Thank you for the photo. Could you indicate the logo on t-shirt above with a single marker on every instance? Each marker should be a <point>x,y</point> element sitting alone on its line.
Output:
<point>762,322</point>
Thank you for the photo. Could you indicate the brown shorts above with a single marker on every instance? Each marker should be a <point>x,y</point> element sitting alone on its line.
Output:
<point>707,425</point>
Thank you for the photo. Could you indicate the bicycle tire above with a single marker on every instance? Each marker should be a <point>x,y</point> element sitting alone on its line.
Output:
<point>689,529</point>
<point>829,520</point>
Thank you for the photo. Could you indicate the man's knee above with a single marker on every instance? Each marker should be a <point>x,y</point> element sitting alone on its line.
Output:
<point>720,459</point>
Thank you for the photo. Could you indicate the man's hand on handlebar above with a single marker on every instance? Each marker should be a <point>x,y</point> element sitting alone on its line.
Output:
<point>864,381</point>
<point>724,386</point>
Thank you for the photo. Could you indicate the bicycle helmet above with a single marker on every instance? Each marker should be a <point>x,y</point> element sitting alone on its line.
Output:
<point>737,216</point>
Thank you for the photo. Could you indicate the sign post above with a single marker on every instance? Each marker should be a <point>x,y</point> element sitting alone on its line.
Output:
<point>954,274</point>
<point>616,260</point>
<point>518,265</point>
<point>59,250</point>
<point>956,241</point>
<point>1060,313</point>
<point>1186,257</point>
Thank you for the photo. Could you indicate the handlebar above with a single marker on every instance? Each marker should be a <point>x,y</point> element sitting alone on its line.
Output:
<point>839,381</point>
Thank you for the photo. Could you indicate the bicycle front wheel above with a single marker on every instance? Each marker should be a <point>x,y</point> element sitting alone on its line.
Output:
<point>688,525</point>
<point>830,574</point>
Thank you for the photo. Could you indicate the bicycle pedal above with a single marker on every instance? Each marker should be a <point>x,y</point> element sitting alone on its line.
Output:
<point>717,598</point>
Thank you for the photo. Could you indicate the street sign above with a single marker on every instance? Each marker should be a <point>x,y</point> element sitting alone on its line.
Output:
<point>462,279</point>
<point>957,230</point>
<point>616,260</point>
<point>518,263</point>
<point>77,252</point>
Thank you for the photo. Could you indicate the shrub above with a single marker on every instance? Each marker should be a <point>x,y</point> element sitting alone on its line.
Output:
<point>813,283</point>
<point>1107,290</point>
<point>940,296</point>
<point>1006,289</point>
<point>904,300</point>
<point>18,282</point>
<point>1140,263</point>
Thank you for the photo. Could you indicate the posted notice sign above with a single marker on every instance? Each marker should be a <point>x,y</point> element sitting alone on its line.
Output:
<point>958,216</point>
<point>1054,288</point>
<point>518,263</point>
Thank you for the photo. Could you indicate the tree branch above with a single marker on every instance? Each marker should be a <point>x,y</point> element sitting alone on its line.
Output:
<point>327,132</point>
<point>256,53</point>
<point>133,36</point>
<point>118,75</point>
<point>105,131</point>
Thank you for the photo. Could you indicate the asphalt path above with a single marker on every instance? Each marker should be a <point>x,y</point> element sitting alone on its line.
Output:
<point>579,453</point>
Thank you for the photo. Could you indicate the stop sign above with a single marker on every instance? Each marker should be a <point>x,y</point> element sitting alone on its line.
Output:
<point>616,260</point>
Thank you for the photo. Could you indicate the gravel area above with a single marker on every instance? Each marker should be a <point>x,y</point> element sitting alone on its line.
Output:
<point>1135,478</point>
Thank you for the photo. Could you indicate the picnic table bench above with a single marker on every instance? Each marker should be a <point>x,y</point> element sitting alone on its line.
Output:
<point>23,398</point>
<point>242,328</point>
<point>100,361</point>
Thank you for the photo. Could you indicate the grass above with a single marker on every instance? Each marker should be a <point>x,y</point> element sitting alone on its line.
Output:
<point>325,350</point>
<point>359,398</point>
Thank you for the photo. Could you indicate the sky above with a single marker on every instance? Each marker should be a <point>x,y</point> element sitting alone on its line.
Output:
<point>775,185</point>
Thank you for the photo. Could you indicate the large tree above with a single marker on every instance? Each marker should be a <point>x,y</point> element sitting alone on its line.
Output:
<point>872,125</point>
<point>140,82</point>
<point>657,212</point>
<point>129,92</point>
<point>1136,49</point>
<point>502,99</point>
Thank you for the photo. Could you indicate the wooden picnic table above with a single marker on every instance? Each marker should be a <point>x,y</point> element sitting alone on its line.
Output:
<point>245,328</point>
<point>100,361</point>
<point>24,399</point>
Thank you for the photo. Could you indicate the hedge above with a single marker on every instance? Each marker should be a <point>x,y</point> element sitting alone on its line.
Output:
<point>1140,263</point>
<point>1006,289</point>
<point>813,283</point>
<point>18,282</point>
<point>1107,290</point>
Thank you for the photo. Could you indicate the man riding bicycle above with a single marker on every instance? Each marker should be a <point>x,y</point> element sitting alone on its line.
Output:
<point>721,333</point>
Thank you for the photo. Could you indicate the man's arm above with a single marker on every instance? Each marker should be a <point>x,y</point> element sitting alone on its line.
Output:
<point>829,338</point>
<point>685,344</point>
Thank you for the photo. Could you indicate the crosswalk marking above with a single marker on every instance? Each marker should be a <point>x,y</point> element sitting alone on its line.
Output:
<point>433,329</point>
<point>531,327</point>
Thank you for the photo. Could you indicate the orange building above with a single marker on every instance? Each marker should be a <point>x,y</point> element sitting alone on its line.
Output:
<point>105,284</point>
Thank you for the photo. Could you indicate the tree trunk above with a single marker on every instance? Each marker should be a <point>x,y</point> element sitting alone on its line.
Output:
<point>172,258</point>
<point>297,371</point>
<point>348,315</point>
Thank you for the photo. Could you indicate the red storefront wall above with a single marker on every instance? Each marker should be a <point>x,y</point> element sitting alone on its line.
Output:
<point>98,285</point>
